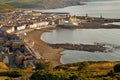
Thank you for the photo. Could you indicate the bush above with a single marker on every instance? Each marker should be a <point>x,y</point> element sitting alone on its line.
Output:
<point>63,67</point>
<point>44,75</point>
<point>50,75</point>
<point>10,74</point>
<point>42,65</point>
<point>14,74</point>
<point>82,66</point>
<point>116,68</point>
<point>111,73</point>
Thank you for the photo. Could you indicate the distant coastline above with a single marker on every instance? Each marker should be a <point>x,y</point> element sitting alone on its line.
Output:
<point>43,4</point>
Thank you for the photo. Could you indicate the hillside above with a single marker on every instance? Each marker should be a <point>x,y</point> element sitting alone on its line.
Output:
<point>44,4</point>
<point>41,4</point>
<point>80,71</point>
<point>75,71</point>
<point>5,7</point>
<point>3,66</point>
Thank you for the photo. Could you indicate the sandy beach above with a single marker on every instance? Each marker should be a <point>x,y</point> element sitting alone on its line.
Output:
<point>49,53</point>
<point>53,54</point>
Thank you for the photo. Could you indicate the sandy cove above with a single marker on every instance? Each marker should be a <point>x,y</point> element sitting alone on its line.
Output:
<point>53,54</point>
<point>49,53</point>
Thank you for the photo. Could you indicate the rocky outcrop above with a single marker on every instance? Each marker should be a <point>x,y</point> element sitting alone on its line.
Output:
<point>81,47</point>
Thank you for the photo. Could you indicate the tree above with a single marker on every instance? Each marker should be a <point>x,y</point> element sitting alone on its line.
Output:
<point>10,74</point>
<point>47,75</point>
<point>82,66</point>
<point>116,68</point>
<point>73,77</point>
<point>42,65</point>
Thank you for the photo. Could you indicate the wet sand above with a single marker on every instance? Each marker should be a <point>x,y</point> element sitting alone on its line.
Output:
<point>49,53</point>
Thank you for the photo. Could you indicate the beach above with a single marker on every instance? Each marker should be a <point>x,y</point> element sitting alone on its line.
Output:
<point>50,53</point>
<point>47,52</point>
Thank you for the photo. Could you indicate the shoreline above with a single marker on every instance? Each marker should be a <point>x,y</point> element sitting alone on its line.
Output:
<point>50,53</point>
<point>47,52</point>
<point>43,48</point>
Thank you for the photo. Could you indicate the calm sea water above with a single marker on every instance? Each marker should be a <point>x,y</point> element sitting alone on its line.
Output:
<point>109,9</point>
<point>85,36</point>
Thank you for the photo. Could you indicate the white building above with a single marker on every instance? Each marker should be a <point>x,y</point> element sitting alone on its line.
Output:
<point>39,24</point>
<point>8,29</point>
<point>20,28</point>
<point>6,60</point>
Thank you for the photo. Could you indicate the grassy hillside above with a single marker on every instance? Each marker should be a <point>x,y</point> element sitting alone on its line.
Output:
<point>3,66</point>
<point>80,71</point>
<point>5,7</point>
<point>44,4</point>
<point>75,71</point>
<point>41,4</point>
<point>22,3</point>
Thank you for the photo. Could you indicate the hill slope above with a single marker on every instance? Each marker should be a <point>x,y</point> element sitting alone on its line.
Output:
<point>5,7</point>
<point>3,66</point>
<point>41,4</point>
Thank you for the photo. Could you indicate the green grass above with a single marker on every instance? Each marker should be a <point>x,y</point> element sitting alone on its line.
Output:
<point>3,67</point>
<point>82,70</point>
<point>5,7</point>
<point>40,4</point>
<point>20,1</point>
<point>3,78</point>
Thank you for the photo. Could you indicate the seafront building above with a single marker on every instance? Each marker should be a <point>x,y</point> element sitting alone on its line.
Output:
<point>27,19</point>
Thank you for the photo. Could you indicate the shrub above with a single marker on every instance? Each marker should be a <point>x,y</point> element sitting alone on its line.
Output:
<point>45,75</point>
<point>50,75</point>
<point>116,68</point>
<point>10,74</point>
<point>14,74</point>
<point>82,66</point>
<point>42,65</point>
<point>63,67</point>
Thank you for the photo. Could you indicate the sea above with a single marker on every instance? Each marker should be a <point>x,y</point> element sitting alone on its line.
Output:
<point>111,37</point>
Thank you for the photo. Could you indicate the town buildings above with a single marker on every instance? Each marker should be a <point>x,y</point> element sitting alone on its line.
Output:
<point>26,19</point>
<point>22,54</point>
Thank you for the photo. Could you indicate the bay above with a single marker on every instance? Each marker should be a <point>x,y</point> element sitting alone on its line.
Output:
<point>108,9</point>
<point>85,36</point>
